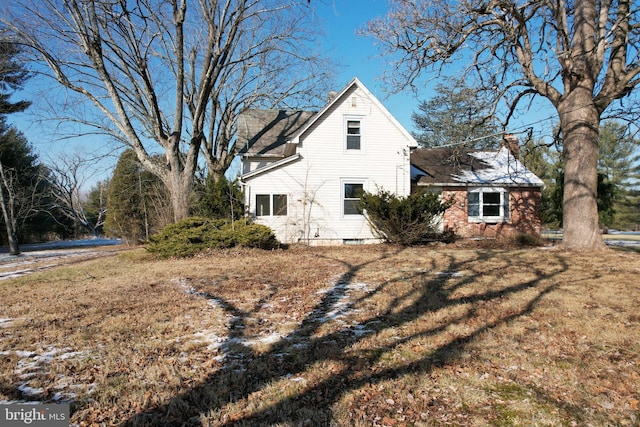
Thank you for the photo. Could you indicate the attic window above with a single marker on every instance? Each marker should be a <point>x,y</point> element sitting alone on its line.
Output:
<point>488,205</point>
<point>354,134</point>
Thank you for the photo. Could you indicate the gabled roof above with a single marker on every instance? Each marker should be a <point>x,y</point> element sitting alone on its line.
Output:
<point>354,82</point>
<point>455,166</point>
<point>266,132</point>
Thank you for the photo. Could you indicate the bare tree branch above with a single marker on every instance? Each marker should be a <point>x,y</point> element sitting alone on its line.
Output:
<point>581,55</point>
<point>172,75</point>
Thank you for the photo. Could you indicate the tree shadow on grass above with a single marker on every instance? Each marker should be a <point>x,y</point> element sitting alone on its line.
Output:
<point>247,371</point>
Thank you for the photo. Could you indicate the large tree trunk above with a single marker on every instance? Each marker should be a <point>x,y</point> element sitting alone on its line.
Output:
<point>579,121</point>
<point>180,186</point>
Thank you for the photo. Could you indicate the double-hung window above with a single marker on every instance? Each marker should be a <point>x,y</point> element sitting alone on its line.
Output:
<point>351,198</point>
<point>271,204</point>
<point>488,205</point>
<point>354,134</point>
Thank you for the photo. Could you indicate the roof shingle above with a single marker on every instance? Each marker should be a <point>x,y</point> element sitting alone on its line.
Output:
<point>266,132</point>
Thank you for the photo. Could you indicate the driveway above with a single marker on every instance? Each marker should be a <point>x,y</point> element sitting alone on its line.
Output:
<point>39,257</point>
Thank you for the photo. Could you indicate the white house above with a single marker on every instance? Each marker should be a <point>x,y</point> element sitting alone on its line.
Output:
<point>303,172</point>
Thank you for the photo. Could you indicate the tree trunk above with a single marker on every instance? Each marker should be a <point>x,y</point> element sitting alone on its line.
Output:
<point>14,248</point>
<point>7,213</point>
<point>180,186</point>
<point>579,120</point>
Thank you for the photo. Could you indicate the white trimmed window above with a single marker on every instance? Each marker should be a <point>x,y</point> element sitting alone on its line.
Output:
<point>351,192</point>
<point>271,204</point>
<point>353,138</point>
<point>488,205</point>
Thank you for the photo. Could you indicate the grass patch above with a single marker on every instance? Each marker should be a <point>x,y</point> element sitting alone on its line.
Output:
<point>349,336</point>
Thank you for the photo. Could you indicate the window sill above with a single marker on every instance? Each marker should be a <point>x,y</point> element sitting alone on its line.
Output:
<point>488,220</point>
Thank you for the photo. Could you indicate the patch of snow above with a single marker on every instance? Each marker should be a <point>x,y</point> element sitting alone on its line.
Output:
<point>341,303</point>
<point>63,397</point>
<point>32,365</point>
<point>18,265</point>
<point>24,354</point>
<point>29,391</point>
<point>338,300</point>
<point>503,169</point>
<point>449,274</point>
<point>360,330</point>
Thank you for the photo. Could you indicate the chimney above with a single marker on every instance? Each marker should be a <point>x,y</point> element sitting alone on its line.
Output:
<point>511,142</point>
<point>331,96</point>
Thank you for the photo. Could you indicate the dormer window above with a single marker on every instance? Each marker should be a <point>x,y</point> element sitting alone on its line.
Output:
<point>354,134</point>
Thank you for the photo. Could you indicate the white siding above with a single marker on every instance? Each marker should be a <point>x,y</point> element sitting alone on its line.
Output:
<point>314,183</point>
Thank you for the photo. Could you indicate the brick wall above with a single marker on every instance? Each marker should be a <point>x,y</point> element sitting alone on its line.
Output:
<point>524,215</point>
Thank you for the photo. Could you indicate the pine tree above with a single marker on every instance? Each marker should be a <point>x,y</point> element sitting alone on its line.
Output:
<point>12,77</point>
<point>220,199</point>
<point>135,201</point>
<point>455,115</point>
<point>619,163</point>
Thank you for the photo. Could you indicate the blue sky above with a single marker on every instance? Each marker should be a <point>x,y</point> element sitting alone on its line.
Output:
<point>358,55</point>
<point>359,58</point>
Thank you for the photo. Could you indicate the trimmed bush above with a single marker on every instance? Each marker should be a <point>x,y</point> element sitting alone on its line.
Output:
<point>193,235</point>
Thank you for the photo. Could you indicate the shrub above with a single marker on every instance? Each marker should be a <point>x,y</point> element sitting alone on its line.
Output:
<point>196,234</point>
<point>404,220</point>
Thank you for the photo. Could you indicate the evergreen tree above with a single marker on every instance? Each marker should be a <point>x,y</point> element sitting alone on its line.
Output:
<point>545,161</point>
<point>220,199</point>
<point>619,163</point>
<point>12,76</point>
<point>24,190</point>
<point>135,201</point>
<point>455,115</point>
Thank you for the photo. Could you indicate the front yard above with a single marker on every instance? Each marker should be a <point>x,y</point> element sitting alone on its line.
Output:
<point>349,336</point>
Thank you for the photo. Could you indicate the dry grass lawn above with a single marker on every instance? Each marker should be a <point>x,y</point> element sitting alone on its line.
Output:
<point>349,336</point>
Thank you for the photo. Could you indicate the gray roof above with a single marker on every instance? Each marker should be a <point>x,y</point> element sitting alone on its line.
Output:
<point>460,166</point>
<point>266,132</point>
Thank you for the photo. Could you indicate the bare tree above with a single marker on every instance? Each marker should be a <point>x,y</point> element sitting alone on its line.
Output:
<point>173,74</point>
<point>67,179</point>
<point>580,55</point>
<point>19,201</point>
<point>7,204</point>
